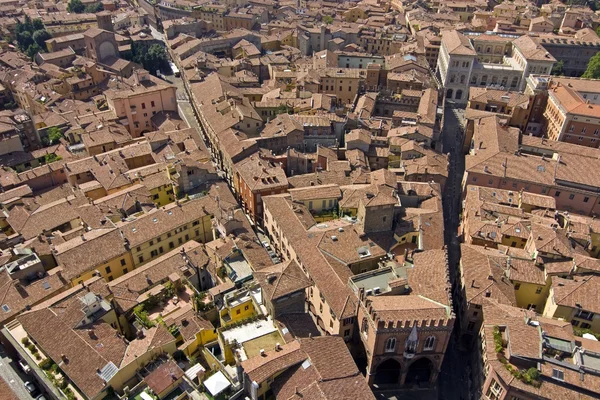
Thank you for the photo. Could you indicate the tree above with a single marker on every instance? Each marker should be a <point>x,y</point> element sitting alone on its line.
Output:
<point>94,8</point>
<point>75,6</point>
<point>558,69</point>
<point>152,57</point>
<point>328,19</point>
<point>37,24</point>
<point>33,50</point>
<point>26,25</point>
<point>593,68</point>
<point>40,36</point>
<point>24,40</point>
<point>54,134</point>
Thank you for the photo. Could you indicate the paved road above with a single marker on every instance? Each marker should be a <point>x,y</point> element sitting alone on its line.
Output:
<point>453,379</point>
<point>10,373</point>
<point>156,34</point>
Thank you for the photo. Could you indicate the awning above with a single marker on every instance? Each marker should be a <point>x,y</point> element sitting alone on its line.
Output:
<point>192,373</point>
<point>216,383</point>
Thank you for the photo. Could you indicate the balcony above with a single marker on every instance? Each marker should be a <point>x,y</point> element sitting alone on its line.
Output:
<point>133,110</point>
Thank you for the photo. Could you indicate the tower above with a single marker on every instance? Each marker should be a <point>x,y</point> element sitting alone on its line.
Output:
<point>104,21</point>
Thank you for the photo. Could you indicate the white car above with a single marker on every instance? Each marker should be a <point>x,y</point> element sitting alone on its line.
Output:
<point>24,366</point>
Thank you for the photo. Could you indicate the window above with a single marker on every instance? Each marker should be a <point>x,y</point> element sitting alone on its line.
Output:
<point>153,253</point>
<point>575,322</point>
<point>495,390</point>
<point>365,327</point>
<point>470,326</point>
<point>429,343</point>
<point>390,345</point>
<point>123,262</point>
<point>141,259</point>
<point>110,278</point>
<point>558,374</point>
<point>586,199</point>
<point>538,290</point>
<point>517,286</point>
<point>347,332</point>
<point>237,311</point>
<point>557,193</point>
<point>152,104</point>
<point>571,196</point>
<point>582,314</point>
<point>143,106</point>
<point>171,245</point>
<point>107,270</point>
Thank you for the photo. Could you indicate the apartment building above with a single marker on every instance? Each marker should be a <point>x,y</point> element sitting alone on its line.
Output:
<point>282,373</point>
<point>136,105</point>
<point>325,253</point>
<point>573,301</point>
<point>535,165</point>
<point>552,361</point>
<point>513,104</point>
<point>98,251</point>
<point>572,112</point>
<point>255,178</point>
<point>161,230</point>
<point>80,330</point>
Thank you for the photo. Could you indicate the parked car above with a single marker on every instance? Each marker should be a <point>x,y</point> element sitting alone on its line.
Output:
<point>266,245</point>
<point>41,397</point>
<point>31,389</point>
<point>24,366</point>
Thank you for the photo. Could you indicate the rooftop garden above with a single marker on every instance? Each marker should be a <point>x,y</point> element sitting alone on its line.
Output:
<point>530,376</point>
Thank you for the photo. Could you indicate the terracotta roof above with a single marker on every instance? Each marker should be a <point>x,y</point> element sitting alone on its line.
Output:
<point>281,280</point>
<point>331,374</point>
<point>83,253</point>
<point>456,43</point>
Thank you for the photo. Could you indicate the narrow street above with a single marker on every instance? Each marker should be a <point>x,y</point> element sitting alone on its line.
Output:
<point>453,378</point>
<point>12,375</point>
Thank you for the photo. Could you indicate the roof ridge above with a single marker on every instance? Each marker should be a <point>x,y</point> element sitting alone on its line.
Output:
<point>574,289</point>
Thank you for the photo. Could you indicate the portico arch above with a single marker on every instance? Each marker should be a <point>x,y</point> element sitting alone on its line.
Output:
<point>388,372</point>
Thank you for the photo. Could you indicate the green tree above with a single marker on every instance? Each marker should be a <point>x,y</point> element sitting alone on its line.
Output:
<point>94,8</point>
<point>75,6</point>
<point>33,50</point>
<point>24,40</point>
<point>328,19</point>
<point>593,68</point>
<point>40,36</point>
<point>37,24</point>
<point>54,134</point>
<point>152,57</point>
<point>558,69</point>
<point>24,26</point>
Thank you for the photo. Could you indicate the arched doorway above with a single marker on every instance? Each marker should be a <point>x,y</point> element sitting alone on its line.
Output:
<point>388,373</point>
<point>449,93</point>
<point>458,94</point>
<point>419,371</point>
